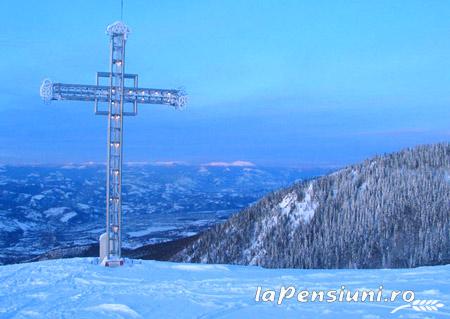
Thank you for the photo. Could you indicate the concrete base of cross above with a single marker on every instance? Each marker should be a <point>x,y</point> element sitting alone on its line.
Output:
<point>104,260</point>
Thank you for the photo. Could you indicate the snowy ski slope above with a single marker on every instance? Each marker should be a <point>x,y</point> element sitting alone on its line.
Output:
<point>78,288</point>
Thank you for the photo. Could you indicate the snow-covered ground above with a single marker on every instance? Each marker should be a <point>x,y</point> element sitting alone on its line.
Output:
<point>78,288</point>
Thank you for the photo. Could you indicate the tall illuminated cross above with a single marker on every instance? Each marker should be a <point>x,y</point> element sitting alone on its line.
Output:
<point>121,89</point>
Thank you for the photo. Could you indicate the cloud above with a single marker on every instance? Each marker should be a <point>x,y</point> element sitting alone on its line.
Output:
<point>157,163</point>
<point>230,164</point>
<point>400,131</point>
<point>169,163</point>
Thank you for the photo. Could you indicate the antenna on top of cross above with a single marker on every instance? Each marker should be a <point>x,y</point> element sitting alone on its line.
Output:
<point>121,10</point>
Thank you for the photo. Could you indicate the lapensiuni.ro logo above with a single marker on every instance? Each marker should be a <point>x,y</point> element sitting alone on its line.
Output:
<point>347,295</point>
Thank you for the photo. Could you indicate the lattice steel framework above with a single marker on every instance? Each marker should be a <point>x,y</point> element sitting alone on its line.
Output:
<point>117,93</point>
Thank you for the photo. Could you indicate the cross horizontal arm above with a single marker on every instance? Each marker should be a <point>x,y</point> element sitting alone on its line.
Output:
<point>80,92</point>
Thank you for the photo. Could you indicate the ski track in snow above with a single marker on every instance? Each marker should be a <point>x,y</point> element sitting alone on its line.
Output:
<point>78,288</point>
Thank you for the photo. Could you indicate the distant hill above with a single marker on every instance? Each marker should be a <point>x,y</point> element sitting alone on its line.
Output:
<point>390,211</point>
<point>160,251</point>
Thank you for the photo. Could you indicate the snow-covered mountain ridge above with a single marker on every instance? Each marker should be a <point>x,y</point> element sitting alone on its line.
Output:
<point>387,212</point>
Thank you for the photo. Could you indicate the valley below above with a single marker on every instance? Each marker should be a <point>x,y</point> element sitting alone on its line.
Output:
<point>46,208</point>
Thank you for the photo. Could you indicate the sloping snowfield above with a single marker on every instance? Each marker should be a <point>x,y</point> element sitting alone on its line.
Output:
<point>78,288</point>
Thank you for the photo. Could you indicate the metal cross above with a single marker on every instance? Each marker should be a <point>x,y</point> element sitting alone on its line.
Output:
<point>117,93</point>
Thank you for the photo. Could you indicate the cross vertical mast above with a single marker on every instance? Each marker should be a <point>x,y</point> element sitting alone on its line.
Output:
<point>118,34</point>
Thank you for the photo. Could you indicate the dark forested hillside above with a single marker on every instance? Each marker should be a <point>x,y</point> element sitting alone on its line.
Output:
<point>389,211</point>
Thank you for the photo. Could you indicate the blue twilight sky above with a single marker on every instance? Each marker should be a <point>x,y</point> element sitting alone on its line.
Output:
<point>272,82</point>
